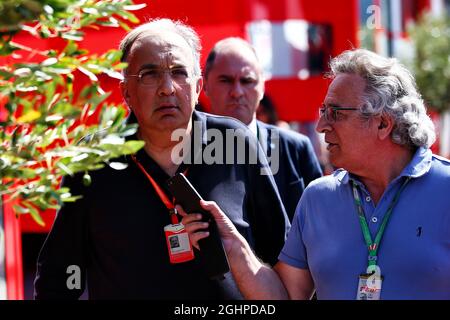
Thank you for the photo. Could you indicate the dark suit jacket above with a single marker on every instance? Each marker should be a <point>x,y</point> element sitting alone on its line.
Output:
<point>297,162</point>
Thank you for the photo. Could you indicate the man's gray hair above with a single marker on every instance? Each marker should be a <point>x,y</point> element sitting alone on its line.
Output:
<point>178,27</point>
<point>390,90</point>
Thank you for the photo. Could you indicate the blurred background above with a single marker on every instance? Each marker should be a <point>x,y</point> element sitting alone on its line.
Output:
<point>294,40</point>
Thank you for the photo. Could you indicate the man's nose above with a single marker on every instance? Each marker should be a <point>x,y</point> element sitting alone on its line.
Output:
<point>236,90</point>
<point>166,86</point>
<point>323,125</point>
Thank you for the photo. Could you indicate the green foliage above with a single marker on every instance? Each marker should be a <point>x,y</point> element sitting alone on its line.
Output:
<point>431,64</point>
<point>49,129</point>
<point>366,37</point>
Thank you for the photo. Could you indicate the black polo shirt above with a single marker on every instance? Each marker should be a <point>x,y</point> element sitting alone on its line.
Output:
<point>115,233</point>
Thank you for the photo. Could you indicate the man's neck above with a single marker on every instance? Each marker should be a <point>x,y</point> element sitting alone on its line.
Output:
<point>387,167</point>
<point>159,146</point>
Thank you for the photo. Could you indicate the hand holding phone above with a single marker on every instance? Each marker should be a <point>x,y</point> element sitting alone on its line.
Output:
<point>212,253</point>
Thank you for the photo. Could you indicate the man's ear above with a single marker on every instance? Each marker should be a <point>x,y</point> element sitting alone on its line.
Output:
<point>263,86</point>
<point>199,86</point>
<point>125,94</point>
<point>385,126</point>
<point>205,86</point>
<point>261,94</point>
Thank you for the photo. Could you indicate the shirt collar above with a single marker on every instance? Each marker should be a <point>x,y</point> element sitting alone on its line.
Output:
<point>419,165</point>
<point>199,124</point>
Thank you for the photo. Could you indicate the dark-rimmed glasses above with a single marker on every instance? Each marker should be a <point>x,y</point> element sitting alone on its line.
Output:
<point>330,112</point>
<point>153,77</point>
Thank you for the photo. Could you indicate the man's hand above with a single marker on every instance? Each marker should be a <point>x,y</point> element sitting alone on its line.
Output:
<point>197,228</point>
<point>254,279</point>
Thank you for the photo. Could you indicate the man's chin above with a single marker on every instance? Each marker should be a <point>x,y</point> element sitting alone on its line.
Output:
<point>165,122</point>
<point>241,116</point>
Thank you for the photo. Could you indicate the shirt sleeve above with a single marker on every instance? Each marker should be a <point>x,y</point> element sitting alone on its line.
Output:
<point>61,263</point>
<point>294,250</point>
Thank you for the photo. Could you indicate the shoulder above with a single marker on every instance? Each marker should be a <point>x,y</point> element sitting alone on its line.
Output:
<point>328,187</point>
<point>441,160</point>
<point>440,166</point>
<point>321,194</point>
<point>291,141</point>
<point>327,184</point>
<point>220,122</point>
<point>232,132</point>
<point>289,136</point>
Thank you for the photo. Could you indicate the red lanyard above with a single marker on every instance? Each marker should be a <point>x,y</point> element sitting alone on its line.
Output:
<point>169,204</point>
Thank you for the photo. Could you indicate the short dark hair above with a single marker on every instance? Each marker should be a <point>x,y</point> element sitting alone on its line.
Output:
<point>218,46</point>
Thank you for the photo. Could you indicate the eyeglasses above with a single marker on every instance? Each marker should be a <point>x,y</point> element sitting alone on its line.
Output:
<point>154,77</point>
<point>331,112</point>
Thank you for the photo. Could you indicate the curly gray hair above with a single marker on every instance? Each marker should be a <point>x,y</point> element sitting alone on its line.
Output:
<point>188,34</point>
<point>390,90</point>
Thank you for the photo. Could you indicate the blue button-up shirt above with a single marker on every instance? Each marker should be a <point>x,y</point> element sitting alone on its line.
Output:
<point>414,254</point>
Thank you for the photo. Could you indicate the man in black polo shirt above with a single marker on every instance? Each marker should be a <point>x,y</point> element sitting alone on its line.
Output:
<point>114,236</point>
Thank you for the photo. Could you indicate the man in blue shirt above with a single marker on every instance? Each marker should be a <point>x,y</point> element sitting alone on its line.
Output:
<point>379,227</point>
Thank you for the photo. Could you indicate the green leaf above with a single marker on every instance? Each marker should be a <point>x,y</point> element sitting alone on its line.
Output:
<point>64,168</point>
<point>49,93</point>
<point>113,55</point>
<point>118,165</point>
<point>49,62</point>
<point>87,180</point>
<point>131,147</point>
<point>35,214</point>
<point>135,7</point>
<point>44,32</point>
<point>431,65</point>
<point>129,131</point>
<point>6,75</point>
<point>71,48</point>
<point>124,26</point>
<point>128,16</point>
<point>71,199</point>
<point>88,73</point>
<point>7,48</point>
<point>114,74</point>
<point>27,173</point>
<point>49,106</point>
<point>20,209</point>
<point>73,35</point>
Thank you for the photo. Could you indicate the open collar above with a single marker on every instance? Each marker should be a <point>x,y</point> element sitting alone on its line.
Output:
<point>419,165</point>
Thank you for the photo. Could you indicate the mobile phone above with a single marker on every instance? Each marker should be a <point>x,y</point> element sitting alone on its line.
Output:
<point>212,254</point>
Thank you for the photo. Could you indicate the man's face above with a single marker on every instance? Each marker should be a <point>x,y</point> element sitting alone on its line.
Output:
<point>350,139</point>
<point>166,98</point>
<point>234,84</point>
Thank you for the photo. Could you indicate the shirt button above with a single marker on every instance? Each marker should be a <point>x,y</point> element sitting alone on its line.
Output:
<point>374,219</point>
<point>368,199</point>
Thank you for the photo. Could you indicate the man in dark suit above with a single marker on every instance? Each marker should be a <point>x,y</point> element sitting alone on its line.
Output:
<point>234,83</point>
